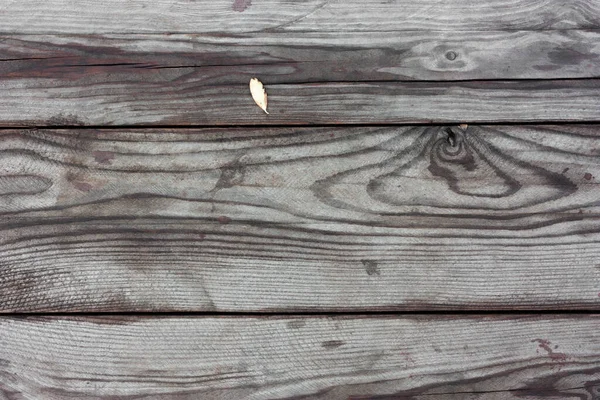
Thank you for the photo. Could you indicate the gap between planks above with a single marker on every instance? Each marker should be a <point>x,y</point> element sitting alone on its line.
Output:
<point>456,124</point>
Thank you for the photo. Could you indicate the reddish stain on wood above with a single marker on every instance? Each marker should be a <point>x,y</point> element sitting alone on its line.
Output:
<point>223,219</point>
<point>103,157</point>
<point>241,5</point>
<point>587,176</point>
<point>554,356</point>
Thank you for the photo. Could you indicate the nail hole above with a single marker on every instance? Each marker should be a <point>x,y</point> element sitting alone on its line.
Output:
<point>451,55</point>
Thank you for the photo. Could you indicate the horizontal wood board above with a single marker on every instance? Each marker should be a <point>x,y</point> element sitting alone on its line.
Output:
<point>312,77</point>
<point>296,358</point>
<point>292,57</point>
<point>239,16</point>
<point>177,99</point>
<point>297,219</point>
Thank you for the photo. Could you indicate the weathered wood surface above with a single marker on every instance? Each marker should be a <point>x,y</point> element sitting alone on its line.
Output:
<point>302,58</point>
<point>292,358</point>
<point>323,77</point>
<point>183,101</point>
<point>332,218</point>
<point>238,16</point>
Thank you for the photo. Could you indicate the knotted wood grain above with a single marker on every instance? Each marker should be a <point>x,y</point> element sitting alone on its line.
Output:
<point>362,218</point>
<point>291,358</point>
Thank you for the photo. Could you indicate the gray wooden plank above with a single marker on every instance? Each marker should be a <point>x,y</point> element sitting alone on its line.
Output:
<point>272,219</point>
<point>302,58</point>
<point>327,78</point>
<point>238,16</point>
<point>176,97</point>
<point>291,358</point>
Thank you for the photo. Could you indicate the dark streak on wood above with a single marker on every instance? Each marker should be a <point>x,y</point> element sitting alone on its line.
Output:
<point>333,344</point>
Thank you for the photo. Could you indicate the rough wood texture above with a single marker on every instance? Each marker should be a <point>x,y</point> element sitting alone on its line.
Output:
<point>323,77</point>
<point>237,16</point>
<point>174,97</point>
<point>494,217</point>
<point>304,58</point>
<point>295,358</point>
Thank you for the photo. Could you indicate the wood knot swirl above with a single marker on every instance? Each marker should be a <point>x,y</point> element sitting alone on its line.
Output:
<point>452,149</point>
<point>458,161</point>
<point>471,166</point>
<point>447,168</point>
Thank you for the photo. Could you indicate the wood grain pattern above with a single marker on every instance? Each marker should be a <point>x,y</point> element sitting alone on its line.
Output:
<point>302,58</point>
<point>365,217</point>
<point>325,78</point>
<point>175,97</point>
<point>296,358</point>
<point>331,218</point>
<point>238,16</point>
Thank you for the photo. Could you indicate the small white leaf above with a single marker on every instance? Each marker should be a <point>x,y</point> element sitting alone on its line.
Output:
<point>463,126</point>
<point>258,94</point>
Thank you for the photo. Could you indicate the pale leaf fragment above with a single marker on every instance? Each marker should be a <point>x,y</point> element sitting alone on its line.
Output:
<point>258,94</point>
<point>463,126</point>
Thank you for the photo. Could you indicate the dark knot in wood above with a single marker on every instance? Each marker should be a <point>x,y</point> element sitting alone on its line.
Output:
<point>451,55</point>
<point>452,147</point>
<point>454,159</point>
